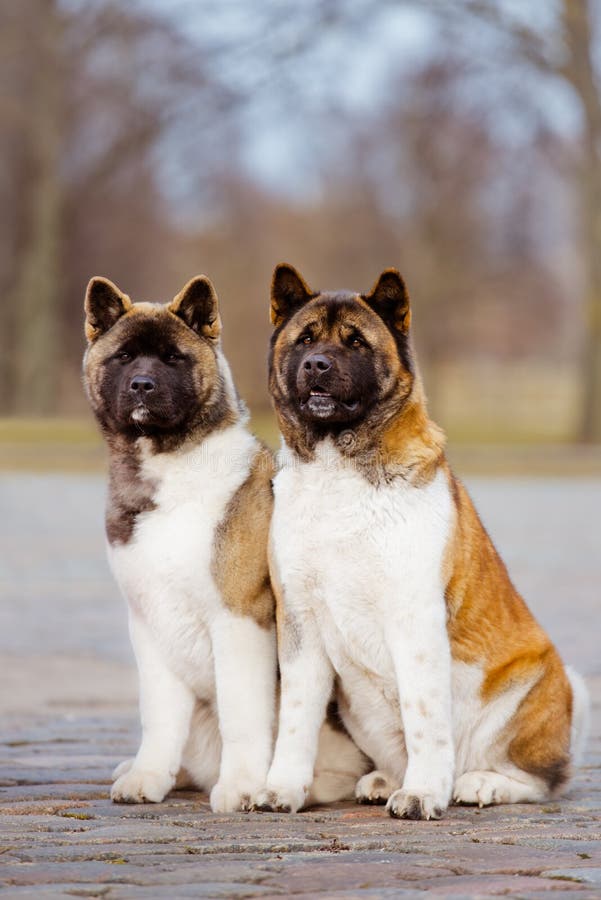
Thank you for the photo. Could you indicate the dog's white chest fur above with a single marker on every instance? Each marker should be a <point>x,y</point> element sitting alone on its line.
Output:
<point>362,573</point>
<point>165,568</point>
<point>361,552</point>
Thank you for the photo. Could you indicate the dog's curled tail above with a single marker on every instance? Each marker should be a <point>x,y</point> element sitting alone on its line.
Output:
<point>581,714</point>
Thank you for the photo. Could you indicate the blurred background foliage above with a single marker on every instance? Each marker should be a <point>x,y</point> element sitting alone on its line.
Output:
<point>459,141</point>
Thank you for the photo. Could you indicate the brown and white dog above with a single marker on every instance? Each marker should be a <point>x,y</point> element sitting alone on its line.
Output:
<point>187,523</point>
<point>388,587</point>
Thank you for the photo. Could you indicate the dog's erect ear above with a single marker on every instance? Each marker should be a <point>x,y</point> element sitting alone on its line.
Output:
<point>197,305</point>
<point>104,304</point>
<point>289,292</point>
<point>389,298</point>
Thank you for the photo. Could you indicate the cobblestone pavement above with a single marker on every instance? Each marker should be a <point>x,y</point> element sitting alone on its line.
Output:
<point>67,715</point>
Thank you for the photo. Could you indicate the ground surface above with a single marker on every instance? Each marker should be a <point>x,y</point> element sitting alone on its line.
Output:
<point>67,715</point>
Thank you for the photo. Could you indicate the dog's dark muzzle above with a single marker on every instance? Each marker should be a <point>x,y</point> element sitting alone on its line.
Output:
<point>321,389</point>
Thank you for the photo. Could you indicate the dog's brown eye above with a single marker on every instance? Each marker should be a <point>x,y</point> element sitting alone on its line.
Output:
<point>307,339</point>
<point>124,356</point>
<point>356,342</point>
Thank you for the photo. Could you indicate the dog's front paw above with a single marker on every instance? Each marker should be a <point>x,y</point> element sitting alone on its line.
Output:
<point>140,786</point>
<point>412,805</point>
<point>233,795</point>
<point>481,789</point>
<point>288,798</point>
<point>375,787</point>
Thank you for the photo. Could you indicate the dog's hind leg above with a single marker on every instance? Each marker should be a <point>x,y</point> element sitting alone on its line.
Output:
<point>338,765</point>
<point>375,787</point>
<point>487,788</point>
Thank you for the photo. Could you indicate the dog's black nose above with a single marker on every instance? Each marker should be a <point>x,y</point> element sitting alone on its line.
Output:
<point>142,384</point>
<point>317,364</point>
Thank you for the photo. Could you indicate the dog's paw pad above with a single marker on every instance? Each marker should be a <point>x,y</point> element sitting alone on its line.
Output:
<point>374,788</point>
<point>232,797</point>
<point>407,805</point>
<point>141,786</point>
<point>479,789</point>
<point>279,800</point>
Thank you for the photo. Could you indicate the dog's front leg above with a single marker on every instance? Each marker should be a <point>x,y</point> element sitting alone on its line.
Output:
<point>166,705</point>
<point>306,686</point>
<point>245,674</point>
<point>420,649</point>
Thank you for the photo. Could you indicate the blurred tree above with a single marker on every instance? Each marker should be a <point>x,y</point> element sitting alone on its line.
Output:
<point>127,154</point>
<point>420,183</point>
<point>82,128</point>
<point>421,177</point>
<point>567,52</point>
<point>36,290</point>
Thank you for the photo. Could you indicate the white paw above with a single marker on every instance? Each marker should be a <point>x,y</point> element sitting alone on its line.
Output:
<point>123,767</point>
<point>375,787</point>
<point>480,789</point>
<point>233,795</point>
<point>413,805</point>
<point>289,798</point>
<point>139,786</point>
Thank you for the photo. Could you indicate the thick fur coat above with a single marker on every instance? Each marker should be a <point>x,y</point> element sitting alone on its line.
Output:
<point>389,590</point>
<point>187,523</point>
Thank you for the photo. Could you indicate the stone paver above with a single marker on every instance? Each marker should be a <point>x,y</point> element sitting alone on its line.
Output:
<point>67,715</point>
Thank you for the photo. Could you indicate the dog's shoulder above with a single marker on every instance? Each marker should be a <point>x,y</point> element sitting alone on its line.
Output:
<point>239,561</point>
<point>145,485</point>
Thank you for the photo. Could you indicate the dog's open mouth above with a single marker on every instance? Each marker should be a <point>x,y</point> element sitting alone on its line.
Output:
<point>322,404</point>
<point>318,391</point>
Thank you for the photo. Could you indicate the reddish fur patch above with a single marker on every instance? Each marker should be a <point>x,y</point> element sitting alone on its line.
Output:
<point>414,443</point>
<point>240,565</point>
<point>490,625</point>
<point>541,728</point>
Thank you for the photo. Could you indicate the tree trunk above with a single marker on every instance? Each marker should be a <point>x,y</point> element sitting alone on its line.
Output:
<point>36,292</point>
<point>590,185</point>
<point>579,72</point>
